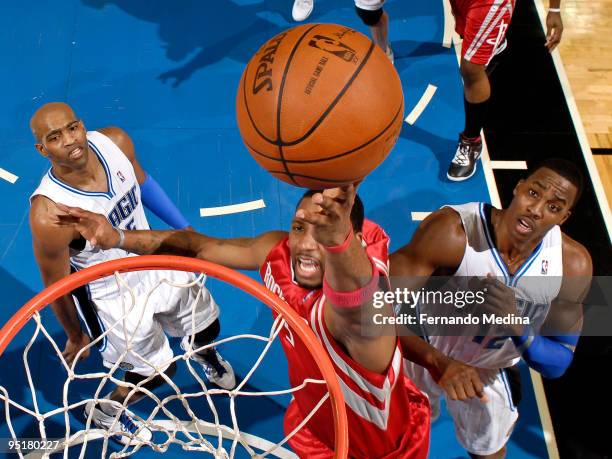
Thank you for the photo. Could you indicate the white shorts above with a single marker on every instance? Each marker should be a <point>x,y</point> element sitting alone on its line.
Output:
<point>370,5</point>
<point>138,325</point>
<point>481,428</point>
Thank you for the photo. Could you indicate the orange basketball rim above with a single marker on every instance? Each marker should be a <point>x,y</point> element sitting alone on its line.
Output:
<point>236,279</point>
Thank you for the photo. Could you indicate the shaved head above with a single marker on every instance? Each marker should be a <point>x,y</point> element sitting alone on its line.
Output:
<point>40,123</point>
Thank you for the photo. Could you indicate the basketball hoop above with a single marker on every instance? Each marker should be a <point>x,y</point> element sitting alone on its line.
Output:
<point>286,315</point>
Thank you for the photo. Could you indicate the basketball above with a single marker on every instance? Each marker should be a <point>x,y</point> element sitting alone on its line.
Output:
<point>320,106</point>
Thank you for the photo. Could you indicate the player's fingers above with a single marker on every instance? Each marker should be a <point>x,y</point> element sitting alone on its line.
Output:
<point>491,279</point>
<point>493,294</point>
<point>556,38</point>
<point>75,211</point>
<point>450,391</point>
<point>66,220</point>
<point>478,386</point>
<point>460,391</point>
<point>469,390</point>
<point>68,357</point>
<point>327,202</point>
<point>62,207</point>
<point>335,199</point>
<point>351,193</point>
<point>84,354</point>
<point>343,193</point>
<point>495,289</point>
<point>314,218</point>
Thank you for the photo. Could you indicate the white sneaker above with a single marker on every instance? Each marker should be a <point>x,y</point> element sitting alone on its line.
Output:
<point>302,9</point>
<point>127,430</point>
<point>217,370</point>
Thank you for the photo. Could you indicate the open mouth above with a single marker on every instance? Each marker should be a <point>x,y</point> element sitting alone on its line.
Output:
<point>524,226</point>
<point>76,153</point>
<point>307,267</point>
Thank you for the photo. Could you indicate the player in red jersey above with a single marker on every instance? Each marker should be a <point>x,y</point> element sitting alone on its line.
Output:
<point>327,268</point>
<point>483,24</point>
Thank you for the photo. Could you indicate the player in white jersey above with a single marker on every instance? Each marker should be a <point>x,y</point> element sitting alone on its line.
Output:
<point>98,170</point>
<point>530,269</point>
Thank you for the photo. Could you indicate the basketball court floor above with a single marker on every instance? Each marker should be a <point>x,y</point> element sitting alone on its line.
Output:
<point>167,73</point>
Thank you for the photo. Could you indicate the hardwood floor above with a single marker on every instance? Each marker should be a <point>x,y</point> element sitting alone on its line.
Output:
<point>586,51</point>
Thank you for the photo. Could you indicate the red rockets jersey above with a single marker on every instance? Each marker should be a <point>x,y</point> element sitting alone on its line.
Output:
<point>388,417</point>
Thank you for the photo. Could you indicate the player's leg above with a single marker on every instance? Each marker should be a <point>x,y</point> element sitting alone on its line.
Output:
<point>501,454</point>
<point>372,14</point>
<point>483,27</point>
<point>135,343</point>
<point>148,348</point>
<point>115,417</point>
<point>302,9</point>
<point>303,441</point>
<point>192,314</point>
<point>217,369</point>
<point>484,428</point>
<point>477,92</point>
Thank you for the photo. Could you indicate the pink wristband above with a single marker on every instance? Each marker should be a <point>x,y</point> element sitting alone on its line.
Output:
<point>342,247</point>
<point>354,299</point>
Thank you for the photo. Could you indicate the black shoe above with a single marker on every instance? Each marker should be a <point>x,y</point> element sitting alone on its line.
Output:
<point>463,165</point>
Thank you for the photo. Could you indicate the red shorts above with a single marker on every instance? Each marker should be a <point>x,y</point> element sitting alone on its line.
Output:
<point>483,25</point>
<point>304,443</point>
<point>308,446</point>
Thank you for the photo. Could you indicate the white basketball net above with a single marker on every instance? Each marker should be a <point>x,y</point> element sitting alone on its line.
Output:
<point>191,434</point>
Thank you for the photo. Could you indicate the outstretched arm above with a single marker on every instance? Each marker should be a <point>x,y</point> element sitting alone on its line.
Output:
<point>350,280</point>
<point>238,253</point>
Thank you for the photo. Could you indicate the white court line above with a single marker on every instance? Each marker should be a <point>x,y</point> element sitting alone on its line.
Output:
<point>488,172</point>
<point>421,104</point>
<point>536,379</point>
<point>516,165</point>
<point>449,24</point>
<point>419,216</point>
<point>604,206</point>
<point>232,209</point>
<point>6,175</point>
<point>600,193</point>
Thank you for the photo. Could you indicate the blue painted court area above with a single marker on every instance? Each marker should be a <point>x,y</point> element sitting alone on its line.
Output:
<point>167,72</point>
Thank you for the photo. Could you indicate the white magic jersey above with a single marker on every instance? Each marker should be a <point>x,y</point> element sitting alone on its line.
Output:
<point>536,284</point>
<point>121,204</point>
<point>159,304</point>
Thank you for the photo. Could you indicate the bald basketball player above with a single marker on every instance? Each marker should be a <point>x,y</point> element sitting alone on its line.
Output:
<point>530,269</point>
<point>99,170</point>
<point>327,268</point>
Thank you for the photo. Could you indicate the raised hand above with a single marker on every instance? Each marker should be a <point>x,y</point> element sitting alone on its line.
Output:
<point>93,227</point>
<point>330,215</point>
